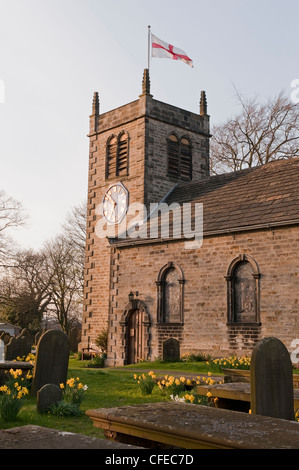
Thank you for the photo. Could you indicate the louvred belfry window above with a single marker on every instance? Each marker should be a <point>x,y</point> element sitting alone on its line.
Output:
<point>186,159</point>
<point>173,155</point>
<point>111,157</point>
<point>122,155</point>
<point>117,155</point>
<point>179,157</point>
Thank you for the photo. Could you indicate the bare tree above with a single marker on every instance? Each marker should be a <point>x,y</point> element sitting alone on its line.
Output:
<point>65,281</point>
<point>75,226</point>
<point>12,215</point>
<point>74,230</point>
<point>50,281</point>
<point>24,291</point>
<point>259,134</point>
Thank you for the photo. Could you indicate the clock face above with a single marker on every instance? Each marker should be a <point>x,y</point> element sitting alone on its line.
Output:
<point>115,203</point>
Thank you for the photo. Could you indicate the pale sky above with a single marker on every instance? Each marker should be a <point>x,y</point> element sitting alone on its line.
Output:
<point>55,53</point>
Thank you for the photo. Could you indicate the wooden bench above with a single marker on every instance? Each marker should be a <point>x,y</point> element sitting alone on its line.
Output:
<point>181,425</point>
<point>234,395</point>
<point>89,351</point>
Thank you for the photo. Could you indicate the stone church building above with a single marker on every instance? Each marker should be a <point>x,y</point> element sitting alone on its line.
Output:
<point>238,285</point>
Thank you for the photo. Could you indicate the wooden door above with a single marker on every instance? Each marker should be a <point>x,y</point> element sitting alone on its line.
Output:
<point>135,337</point>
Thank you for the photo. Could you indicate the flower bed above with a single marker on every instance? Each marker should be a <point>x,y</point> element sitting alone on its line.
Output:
<point>13,395</point>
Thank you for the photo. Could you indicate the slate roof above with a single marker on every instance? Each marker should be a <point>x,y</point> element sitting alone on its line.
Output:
<point>255,198</point>
<point>263,195</point>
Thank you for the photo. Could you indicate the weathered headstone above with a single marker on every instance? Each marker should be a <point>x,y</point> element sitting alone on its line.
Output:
<point>28,340</point>
<point>2,356</point>
<point>38,336</point>
<point>18,346</point>
<point>171,350</point>
<point>271,377</point>
<point>48,395</point>
<point>52,357</point>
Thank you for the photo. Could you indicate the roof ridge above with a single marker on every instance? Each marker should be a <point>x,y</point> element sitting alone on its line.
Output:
<point>236,173</point>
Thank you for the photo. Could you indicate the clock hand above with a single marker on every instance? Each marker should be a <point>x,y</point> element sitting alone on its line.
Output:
<point>112,200</point>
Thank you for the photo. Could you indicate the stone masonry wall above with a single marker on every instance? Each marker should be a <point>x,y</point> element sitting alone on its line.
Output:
<point>98,264</point>
<point>146,182</point>
<point>205,326</point>
<point>157,182</point>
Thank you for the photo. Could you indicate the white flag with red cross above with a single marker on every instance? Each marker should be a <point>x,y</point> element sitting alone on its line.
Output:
<point>164,50</point>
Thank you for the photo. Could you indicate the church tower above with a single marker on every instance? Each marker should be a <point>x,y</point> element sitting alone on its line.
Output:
<point>138,153</point>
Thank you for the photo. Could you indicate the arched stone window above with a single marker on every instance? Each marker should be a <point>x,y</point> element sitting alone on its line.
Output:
<point>243,290</point>
<point>170,294</point>
<point>179,152</point>
<point>117,159</point>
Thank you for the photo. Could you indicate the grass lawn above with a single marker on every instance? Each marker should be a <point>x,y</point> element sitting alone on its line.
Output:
<point>192,367</point>
<point>106,388</point>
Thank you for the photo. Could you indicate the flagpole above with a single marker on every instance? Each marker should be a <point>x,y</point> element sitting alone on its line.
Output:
<point>148,47</point>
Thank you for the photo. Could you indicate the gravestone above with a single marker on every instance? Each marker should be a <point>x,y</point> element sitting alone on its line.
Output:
<point>5,337</point>
<point>75,338</point>
<point>171,350</point>
<point>271,378</point>
<point>28,339</point>
<point>38,336</point>
<point>52,357</point>
<point>18,346</point>
<point>2,356</point>
<point>48,395</point>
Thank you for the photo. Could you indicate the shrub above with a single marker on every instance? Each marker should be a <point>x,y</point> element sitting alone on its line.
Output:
<point>97,361</point>
<point>145,382</point>
<point>194,398</point>
<point>102,341</point>
<point>73,394</point>
<point>232,362</point>
<point>174,385</point>
<point>13,396</point>
<point>195,357</point>
<point>74,391</point>
<point>29,358</point>
<point>63,409</point>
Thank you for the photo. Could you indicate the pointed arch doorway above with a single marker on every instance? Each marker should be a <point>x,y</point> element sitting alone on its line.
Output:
<point>135,325</point>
